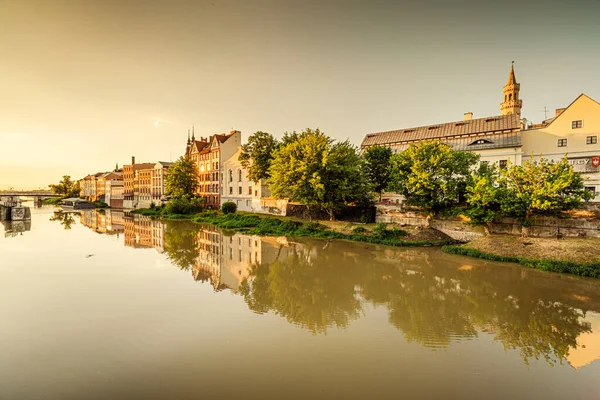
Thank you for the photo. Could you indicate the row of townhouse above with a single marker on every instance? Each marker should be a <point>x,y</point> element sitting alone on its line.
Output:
<point>103,186</point>
<point>504,138</point>
<point>133,186</point>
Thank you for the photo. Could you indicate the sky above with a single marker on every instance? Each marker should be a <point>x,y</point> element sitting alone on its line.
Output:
<point>88,84</point>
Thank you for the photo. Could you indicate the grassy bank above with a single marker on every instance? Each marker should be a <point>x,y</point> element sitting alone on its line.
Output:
<point>285,226</point>
<point>52,200</point>
<point>591,269</point>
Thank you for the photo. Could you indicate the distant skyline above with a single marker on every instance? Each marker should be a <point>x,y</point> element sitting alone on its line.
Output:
<point>87,84</point>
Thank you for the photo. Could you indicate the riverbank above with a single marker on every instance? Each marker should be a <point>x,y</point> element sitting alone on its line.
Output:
<point>267,225</point>
<point>571,255</point>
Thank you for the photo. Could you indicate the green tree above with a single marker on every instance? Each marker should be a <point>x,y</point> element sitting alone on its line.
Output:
<point>483,196</point>
<point>431,175</point>
<point>539,187</point>
<point>257,154</point>
<point>377,167</point>
<point>64,187</point>
<point>318,173</point>
<point>182,179</point>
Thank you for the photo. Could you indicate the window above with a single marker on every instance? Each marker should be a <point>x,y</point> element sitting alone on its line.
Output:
<point>239,176</point>
<point>510,97</point>
<point>562,142</point>
<point>502,163</point>
<point>230,190</point>
<point>240,190</point>
<point>250,190</point>
<point>591,140</point>
<point>480,141</point>
<point>230,176</point>
<point>576,124</point>
<point>256,193</point>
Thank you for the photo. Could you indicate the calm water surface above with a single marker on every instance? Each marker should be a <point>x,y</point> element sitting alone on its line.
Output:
<point>112,306</point>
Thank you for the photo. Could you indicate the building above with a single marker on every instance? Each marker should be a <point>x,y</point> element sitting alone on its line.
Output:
<point>208,155</point>
<point>113,189</point>
<point>159,175</point>
<point>239,189</point>
<point>497,139</point>
<point>573,132</point>
<point>142,186</point>
<point>131,184</point>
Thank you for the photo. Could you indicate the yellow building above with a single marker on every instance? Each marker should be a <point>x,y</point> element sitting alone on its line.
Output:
<point>574,132</point>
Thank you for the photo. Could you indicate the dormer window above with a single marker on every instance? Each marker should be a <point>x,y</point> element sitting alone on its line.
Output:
<point>433,127</point>
<point>490,120</point>
<point>408,130</point>
<point>460,124</point>
<point>480,141</point>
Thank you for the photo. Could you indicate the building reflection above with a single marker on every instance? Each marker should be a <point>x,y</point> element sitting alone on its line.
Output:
<point>432,300</point>
<point>106,221</point>
<point>15,228</point>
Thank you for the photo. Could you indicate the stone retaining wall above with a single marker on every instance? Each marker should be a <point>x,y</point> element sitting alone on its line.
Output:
<point>456,228</point>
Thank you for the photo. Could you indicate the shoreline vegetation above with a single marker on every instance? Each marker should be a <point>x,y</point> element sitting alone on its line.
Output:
<point>268,225</point>
<point>570,256</point>
<point>57,200</point>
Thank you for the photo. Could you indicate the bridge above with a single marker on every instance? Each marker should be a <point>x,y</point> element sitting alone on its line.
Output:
<point>10,203</point>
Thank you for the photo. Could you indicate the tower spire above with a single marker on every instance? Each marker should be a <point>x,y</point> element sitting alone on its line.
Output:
<point>512,104</point>
<point>188,142</point>
<point>193,138</point>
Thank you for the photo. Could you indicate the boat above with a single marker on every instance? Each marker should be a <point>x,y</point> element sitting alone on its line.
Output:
<point>74,203</point>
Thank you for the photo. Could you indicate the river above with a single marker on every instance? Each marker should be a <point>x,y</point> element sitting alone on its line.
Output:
<point>105,305</point>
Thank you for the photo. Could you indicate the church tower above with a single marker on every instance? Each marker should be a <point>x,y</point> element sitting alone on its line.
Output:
<point>512,104</point>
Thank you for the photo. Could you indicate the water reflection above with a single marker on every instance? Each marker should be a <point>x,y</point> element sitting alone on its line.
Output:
<point>431,298</point>
<point>66,219</point>
<point>15,228</point>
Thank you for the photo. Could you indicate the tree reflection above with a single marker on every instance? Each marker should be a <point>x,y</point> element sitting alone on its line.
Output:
<point>181,244</point>
<point>66,219</point>
<point>319,289</point>
<point>312,292</point>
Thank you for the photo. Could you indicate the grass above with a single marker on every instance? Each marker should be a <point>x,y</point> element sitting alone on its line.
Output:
<point>570,267</point>
<point>273,226</point>
<point>52,200</point>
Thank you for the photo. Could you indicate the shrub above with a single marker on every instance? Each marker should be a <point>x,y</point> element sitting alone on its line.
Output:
<point>100,204</point>
<point>359,229</point>
<point>229,207</point>
<point>380,229</point>
<point>182,206</point>
<point>152,206</point>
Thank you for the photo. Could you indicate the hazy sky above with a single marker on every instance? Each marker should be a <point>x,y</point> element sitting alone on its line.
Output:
<point>86,84</point>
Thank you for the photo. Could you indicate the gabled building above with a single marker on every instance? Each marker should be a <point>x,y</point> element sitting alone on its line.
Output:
<point>208,154</point>
<point>137,184</point>
<point>573,131</point>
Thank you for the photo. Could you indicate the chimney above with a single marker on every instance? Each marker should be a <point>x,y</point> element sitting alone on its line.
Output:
<point>559,111</point>
<point>468,116</point>
<point>132,160</point>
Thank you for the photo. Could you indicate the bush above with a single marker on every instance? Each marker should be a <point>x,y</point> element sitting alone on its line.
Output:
<point>380,229</point>
<point>182,206</point>
<point>229,207</point>
<point>100,204</point>
<point>152,206</point>
<point>359,229</point>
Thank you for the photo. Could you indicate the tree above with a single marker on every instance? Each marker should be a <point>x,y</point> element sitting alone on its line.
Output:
<point>377,167</point>
<point>64,187</point>
<point>182,179</point>
<point>314,171</point>
<point>540,187</point>
<point>257,154</point>
<point>483,195</point>
<point>431,175</point>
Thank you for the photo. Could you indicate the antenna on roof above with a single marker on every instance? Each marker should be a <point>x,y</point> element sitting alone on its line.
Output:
<point>545,110</point>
